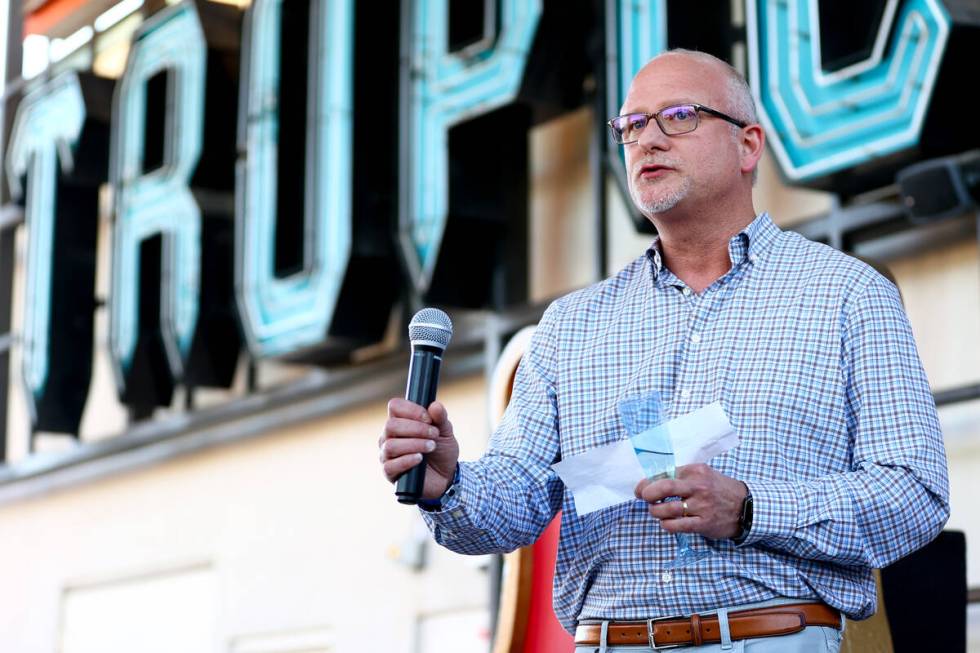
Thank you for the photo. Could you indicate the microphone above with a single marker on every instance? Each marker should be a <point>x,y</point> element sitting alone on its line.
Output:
<point>429,332</point>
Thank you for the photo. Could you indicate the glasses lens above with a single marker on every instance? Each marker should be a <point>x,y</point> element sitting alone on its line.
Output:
<point>626,129</point>
<point>679,119</point>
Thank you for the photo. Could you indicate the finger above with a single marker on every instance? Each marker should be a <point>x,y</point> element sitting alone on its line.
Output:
<point>398,466</point>
<point>671,510</point>
<point>695,470</point>
<point>638,490</point>
<point>398,447</point>
<point>668,487</point>
<point>397,427</point>
<point>408,409</point>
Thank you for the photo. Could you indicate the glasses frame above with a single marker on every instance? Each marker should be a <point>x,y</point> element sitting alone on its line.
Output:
<point>698,110</point>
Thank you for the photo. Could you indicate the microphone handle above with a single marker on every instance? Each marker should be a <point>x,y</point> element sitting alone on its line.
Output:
<point>423,378</point>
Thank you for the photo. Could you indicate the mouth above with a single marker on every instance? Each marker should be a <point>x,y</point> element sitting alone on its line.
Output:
<point>652,171</point>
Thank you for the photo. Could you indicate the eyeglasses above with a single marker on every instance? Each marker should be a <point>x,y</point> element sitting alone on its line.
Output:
<point>679,119</point>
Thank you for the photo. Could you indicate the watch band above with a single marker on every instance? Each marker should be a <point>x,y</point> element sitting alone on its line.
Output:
<point>431,505</point>
<point>745,518</point>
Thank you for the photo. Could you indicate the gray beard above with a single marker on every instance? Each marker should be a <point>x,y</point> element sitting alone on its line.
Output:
<point>663,203</point>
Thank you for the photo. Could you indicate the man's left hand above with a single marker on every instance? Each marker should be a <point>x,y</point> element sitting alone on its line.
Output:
<point>710,503</point>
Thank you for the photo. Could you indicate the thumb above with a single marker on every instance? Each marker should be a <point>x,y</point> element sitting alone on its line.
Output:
<point>440,418</point>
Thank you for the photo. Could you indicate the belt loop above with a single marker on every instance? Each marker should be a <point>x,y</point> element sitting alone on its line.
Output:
<point>604,637</point>
<point>696,630</point>
<point>726,634</point>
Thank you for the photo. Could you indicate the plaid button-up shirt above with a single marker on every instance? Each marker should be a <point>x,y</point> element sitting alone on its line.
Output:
<point>811,355</point>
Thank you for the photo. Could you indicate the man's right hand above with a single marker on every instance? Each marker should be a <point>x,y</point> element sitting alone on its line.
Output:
<point>412,431</point>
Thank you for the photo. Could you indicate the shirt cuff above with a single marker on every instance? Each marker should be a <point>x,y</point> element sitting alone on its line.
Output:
<point>775,511</point>
<point>451,517</point>
<point>430,505</point>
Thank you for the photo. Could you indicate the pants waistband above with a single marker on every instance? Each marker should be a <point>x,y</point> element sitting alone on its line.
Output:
<point>705,629</point>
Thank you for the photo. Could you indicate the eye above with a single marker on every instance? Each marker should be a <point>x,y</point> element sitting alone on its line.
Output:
<point>680,114</point>
<point>635,123</point>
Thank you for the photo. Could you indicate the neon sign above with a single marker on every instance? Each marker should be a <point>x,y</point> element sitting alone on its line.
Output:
<point>286,173</point>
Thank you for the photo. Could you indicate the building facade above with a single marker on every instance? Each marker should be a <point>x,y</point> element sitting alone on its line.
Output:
<point>218,218</point>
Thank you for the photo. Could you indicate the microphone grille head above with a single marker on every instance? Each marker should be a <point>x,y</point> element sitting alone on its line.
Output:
<point>431,327</point>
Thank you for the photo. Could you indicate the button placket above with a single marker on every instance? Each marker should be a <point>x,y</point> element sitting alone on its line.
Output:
<point>691,357</point>
<point>695,355</point>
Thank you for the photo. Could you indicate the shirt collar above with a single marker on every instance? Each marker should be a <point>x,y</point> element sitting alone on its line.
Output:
<point>759,236</point>
<point>751,243</point>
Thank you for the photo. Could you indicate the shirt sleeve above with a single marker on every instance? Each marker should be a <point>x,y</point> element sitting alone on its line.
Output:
<point>506,499</point>
<point>895,497</point>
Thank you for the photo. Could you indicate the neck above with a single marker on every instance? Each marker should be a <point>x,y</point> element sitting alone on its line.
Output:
<point>695,247</point>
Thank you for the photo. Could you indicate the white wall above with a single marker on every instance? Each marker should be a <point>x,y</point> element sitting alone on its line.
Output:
<point>298,528</point>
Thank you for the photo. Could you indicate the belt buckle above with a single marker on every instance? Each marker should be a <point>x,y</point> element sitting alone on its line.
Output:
<point>653,643</point>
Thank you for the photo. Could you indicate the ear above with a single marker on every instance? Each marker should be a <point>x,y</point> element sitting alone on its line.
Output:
<point>751,145</point>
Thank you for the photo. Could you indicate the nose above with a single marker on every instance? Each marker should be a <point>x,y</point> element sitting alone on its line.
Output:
<point>653,138</point>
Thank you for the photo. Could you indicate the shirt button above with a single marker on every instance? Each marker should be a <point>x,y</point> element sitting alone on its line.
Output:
<point>753,258</point>
<point>695,338</point>
<point>685,393</point>
<point>686,291</point>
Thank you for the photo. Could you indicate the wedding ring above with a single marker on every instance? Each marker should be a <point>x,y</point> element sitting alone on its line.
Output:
<point>684,505</point>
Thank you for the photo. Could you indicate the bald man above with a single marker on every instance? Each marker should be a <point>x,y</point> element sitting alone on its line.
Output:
<point>840,467</point>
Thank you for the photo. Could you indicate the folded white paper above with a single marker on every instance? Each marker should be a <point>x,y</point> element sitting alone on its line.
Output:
<point>700,436</point>
<point>601,477</point>
<point>605,476</point>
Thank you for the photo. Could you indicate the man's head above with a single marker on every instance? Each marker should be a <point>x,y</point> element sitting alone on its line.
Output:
<point>711,165</point>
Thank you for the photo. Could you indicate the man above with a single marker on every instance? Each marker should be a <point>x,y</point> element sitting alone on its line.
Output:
<point>840,468</point>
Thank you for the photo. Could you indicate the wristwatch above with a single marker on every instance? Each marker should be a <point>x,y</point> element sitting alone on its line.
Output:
<point>745,518</point>
<point>432,505</point>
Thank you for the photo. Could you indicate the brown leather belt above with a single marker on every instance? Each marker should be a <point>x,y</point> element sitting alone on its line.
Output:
<point>670,632</point>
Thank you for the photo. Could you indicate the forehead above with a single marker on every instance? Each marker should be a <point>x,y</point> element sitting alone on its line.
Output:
<point>672,79</point>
